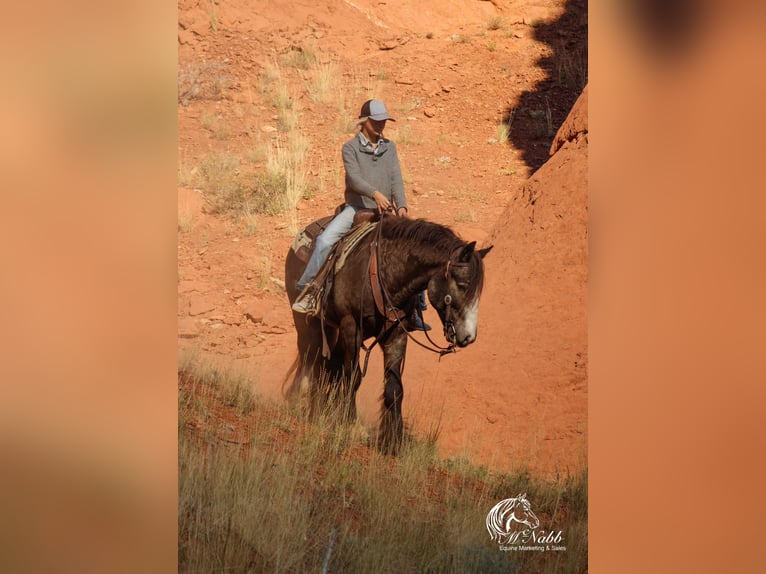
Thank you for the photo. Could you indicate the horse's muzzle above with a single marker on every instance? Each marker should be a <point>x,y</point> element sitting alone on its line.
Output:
<point>465,341</point>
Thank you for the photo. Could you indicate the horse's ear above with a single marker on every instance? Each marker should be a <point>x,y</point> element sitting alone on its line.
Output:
<point>483,252</point>
<point>466,252</point>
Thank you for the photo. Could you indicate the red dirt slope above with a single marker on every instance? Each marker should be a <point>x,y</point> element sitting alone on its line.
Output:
<point>518,396</point>
<point>449,70</point>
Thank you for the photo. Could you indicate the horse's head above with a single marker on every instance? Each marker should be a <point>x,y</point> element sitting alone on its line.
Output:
<point>454,293</point>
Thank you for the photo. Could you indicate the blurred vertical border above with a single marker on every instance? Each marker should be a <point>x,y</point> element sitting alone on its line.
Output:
<point>677,284</point>
<point>87,295</point>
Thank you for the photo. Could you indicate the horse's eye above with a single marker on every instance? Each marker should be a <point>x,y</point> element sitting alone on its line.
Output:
<point>462,285</point>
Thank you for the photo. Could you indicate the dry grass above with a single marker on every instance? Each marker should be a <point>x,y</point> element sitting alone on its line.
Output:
<point>365,84</point>
<point>187,173</point>
<point>186,215</point>
<point>571,68</point>
<point>286,161</point>
<point>202,82</point>
<point>213,16</point>
<point>217,125</point>
<point>495,23</point>
<point>543,121</point>
<point>330,174</point>
<point>228,191</point>
<point>264,488</point>
<point>219,174</point>
<point>261,266</point>
<point>232,186</point>
<point>300,57</point>
<point>405,135</point>
<point>281,98</point>
<point>250,223</point>
<point>407,109</point>
<point>502,132</point>
<point>270,74</point>
<point>288,109</point>
<point>467,216</point>
<point>323,84</point>
<point>185,223</point>
<point>550,127</point>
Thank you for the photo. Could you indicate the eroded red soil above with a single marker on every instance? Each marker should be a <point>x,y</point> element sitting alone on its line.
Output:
<point>450,72</point>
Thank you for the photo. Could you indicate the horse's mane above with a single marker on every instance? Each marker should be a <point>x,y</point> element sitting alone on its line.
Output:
<point>420,233</point>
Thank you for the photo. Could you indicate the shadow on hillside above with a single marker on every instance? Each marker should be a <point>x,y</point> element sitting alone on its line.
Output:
<point>539,113</point>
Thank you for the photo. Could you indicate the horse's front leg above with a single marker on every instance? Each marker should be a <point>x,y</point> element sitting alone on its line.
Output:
<point>391,423</point>
<point>352,374</point>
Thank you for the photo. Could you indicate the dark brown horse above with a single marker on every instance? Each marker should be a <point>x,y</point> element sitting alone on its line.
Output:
<point>413,255</point>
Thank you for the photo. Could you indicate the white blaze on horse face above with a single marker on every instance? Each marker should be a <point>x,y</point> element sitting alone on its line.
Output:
<point>466,330</point>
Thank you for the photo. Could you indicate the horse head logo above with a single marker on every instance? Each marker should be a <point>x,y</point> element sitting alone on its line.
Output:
<point>505,512</point>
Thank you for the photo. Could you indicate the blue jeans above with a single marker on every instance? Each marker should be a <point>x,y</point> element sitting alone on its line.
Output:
<point>336,229</point>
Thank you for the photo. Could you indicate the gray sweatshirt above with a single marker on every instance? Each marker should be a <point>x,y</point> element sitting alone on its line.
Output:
<point>368,171</point>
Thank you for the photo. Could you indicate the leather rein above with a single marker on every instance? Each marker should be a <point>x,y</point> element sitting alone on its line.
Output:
<point>394,316</point>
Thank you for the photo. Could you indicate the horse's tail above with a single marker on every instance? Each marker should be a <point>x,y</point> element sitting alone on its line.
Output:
<point>291,388</point>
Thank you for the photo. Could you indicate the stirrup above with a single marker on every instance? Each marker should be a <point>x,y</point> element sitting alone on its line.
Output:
<point>307,300</point>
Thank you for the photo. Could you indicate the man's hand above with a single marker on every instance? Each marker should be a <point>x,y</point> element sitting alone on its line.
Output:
<point>402,212</point>
<point>381,202</point>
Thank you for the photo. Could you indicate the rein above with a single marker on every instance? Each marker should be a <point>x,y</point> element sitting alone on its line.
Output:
<point>394,316</point>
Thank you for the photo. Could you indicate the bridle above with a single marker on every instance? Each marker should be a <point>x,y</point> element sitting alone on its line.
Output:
<point>450,333</point>
<point>394,316</point>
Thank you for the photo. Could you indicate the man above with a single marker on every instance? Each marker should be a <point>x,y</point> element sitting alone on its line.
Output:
<point>373,180</point>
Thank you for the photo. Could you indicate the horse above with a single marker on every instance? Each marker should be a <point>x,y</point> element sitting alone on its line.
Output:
<point>405,257</point>
<point>510,510</point>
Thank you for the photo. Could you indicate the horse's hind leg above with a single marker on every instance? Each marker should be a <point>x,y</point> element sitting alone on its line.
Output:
<point>391,422</point>
<point>351,377</point>
<point>313,368</point>
<point>317,391</point>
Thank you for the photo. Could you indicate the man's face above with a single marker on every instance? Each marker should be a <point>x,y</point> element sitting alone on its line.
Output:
<point>373,129</point>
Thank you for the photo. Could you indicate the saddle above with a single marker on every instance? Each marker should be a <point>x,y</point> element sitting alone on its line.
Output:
<point>303,244</point>
<point>365,216</point>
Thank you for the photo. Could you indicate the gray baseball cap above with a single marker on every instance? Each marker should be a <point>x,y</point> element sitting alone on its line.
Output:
<point>376,110</point>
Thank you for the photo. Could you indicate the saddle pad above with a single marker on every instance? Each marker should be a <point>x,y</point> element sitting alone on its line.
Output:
<point>303,243</point>
<point>350,241</point>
